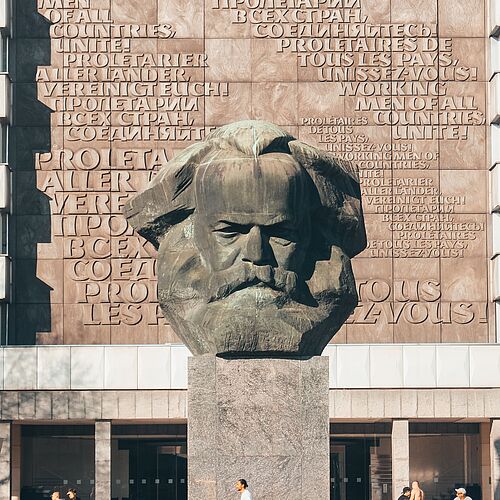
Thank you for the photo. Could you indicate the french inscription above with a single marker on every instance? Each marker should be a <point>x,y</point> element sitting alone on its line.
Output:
<point>409,111</point>
<point>415,301</point>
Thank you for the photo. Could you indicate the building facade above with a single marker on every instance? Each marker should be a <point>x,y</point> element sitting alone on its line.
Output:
<point>97,95</point>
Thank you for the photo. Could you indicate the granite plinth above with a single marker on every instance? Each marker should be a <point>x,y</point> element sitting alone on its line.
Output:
<point>265,420</point>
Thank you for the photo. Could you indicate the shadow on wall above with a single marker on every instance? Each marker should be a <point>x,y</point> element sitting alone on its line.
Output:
<point>28,135</point>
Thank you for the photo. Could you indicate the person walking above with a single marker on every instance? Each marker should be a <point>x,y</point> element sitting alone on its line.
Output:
<point>416,492</point>
<point>72,494</point>
<point>405,493</point>
<point>461,494</point>
<point>242,487</point>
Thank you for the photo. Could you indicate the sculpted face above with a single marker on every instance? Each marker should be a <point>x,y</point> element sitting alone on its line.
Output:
<point>254,242</point>
<point>252,220</point>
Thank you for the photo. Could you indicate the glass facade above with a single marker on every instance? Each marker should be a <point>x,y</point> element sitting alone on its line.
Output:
<point>4,215</point>
<point>4,51</point>
<point>445,456</point>
<point>4,249</point>
<point>360,462</point>
<point>3,232</point>
<point>3,323</point>
<point>4,136</point>
<point>57,457</point>
<point>149,462</point>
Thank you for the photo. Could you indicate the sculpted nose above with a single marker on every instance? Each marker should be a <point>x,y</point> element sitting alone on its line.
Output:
<point>257,248</point>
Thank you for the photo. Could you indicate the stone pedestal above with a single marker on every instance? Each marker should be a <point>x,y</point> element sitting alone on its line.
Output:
<point>264,420</point>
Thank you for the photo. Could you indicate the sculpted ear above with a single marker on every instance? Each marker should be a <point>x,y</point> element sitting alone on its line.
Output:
<point>340,216</point>
<point>169,198</point>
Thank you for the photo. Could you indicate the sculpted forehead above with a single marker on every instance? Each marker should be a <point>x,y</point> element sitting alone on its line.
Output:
<point>270,184</point>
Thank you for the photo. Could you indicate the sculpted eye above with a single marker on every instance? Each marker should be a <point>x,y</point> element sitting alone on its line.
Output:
<point>227,232</point>
<point>228,235</point>
<point>282,235</point>
<point>281,241</point>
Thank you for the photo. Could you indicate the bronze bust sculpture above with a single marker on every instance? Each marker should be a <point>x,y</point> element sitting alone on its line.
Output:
<point>255,231</point>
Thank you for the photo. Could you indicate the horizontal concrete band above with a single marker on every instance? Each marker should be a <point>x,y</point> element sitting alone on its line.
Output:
<point>149,367</point>
<point>167,405</point>
<point>93,405</point>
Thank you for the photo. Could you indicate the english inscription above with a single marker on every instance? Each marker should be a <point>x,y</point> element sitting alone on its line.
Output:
<point>380,85</point>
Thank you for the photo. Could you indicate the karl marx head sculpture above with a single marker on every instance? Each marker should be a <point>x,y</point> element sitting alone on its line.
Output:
<point>255,231</point>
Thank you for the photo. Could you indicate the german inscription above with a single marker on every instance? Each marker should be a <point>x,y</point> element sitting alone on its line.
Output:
<point>397,88</point>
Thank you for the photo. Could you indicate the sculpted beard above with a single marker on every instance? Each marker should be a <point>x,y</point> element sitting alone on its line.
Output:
<point>223,283</point>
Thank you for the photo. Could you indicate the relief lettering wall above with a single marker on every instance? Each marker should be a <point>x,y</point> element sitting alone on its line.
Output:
<point>397,87</point>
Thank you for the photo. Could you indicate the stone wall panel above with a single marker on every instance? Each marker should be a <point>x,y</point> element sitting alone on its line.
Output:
<point>107,91</point>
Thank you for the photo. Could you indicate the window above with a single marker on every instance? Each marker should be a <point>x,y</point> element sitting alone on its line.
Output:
<point>57,457</point>
<point>360,461</point>
<point>445,456</point>
<point>149,462</point>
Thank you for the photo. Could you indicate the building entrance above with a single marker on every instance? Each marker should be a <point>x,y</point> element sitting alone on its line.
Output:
<point>57,457</point>
<point>149,463</point>
<point>360,462</point>
<point>445,456</point>
<point>149,470</point>
<point>337,473</point>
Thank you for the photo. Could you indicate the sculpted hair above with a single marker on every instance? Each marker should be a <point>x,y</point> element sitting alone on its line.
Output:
<point>169,198</point>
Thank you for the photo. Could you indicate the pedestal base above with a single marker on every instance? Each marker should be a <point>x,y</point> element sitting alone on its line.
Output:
<point>264,420</point>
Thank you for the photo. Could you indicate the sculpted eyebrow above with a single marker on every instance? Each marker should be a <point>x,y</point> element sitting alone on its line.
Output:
<point>285,225</point>
<point>226,223</point>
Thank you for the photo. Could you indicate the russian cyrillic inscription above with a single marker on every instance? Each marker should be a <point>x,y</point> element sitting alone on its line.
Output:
<point>381,84</point>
